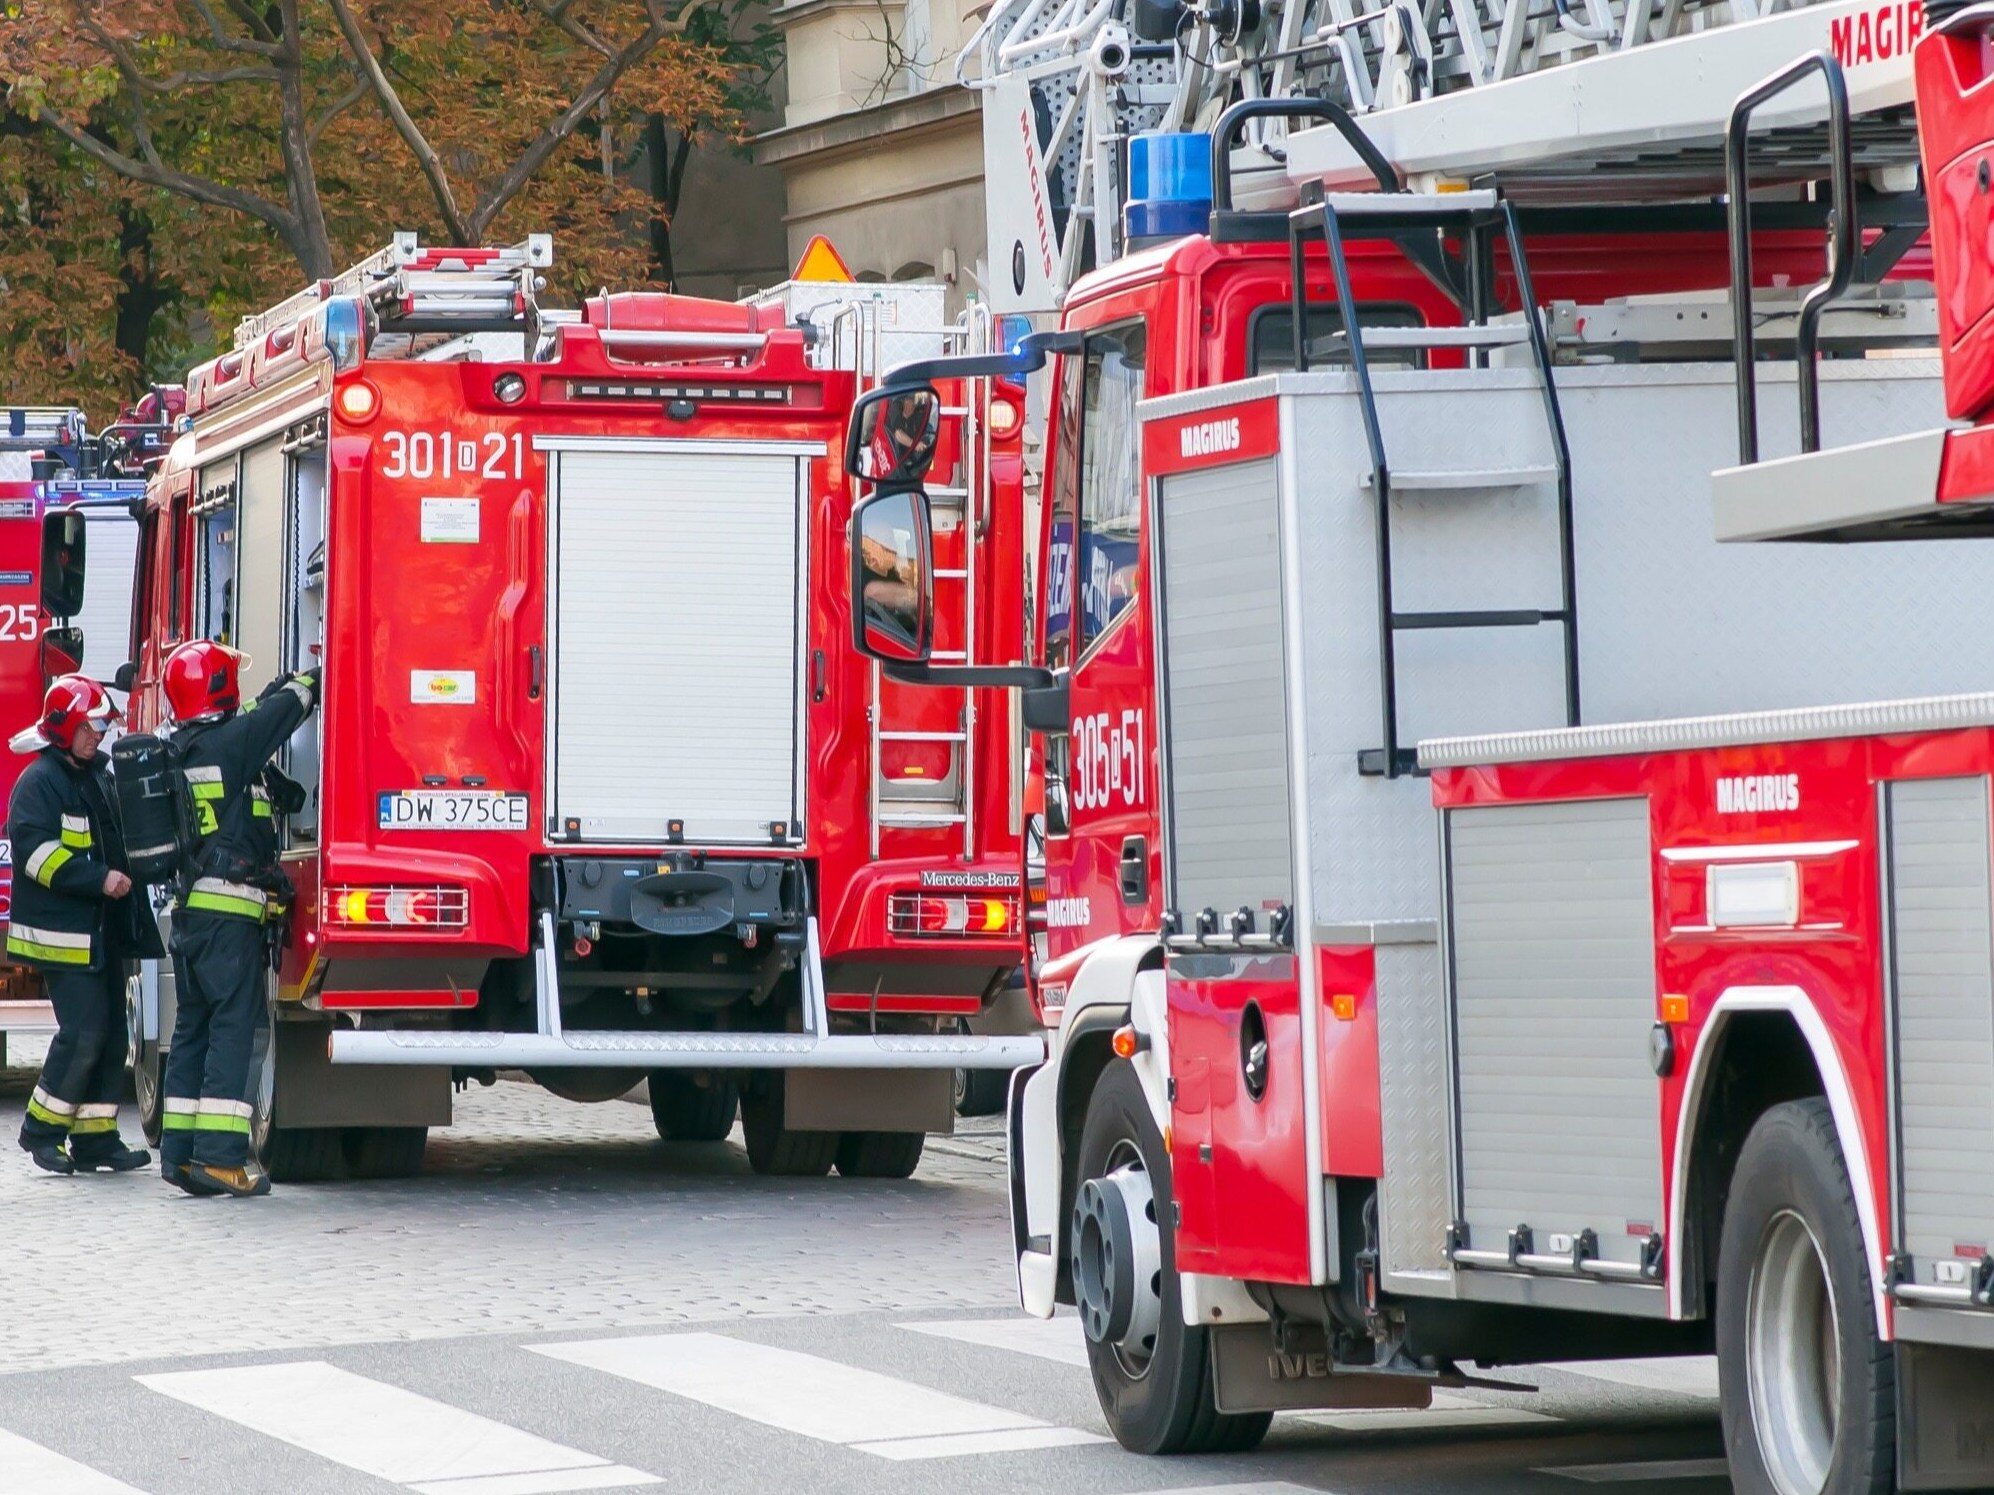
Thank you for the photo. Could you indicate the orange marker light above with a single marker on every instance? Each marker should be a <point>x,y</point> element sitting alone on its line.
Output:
<point>1344,1005</point>
<point>1675,1008</point>
<point>358,402</point>
<point>1127,1043</point>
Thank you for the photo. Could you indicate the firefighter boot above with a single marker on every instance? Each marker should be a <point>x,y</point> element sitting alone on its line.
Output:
<point>181,1176</point>
<point>48,1156</point>
<point>237,1182</point>
<point>111,1156</point>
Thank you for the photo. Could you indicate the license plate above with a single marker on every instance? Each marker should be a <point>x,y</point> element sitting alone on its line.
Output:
<point>453,810</point>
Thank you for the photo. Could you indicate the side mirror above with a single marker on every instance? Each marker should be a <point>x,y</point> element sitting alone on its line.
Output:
<point>1044,708</point>
<point>892,435</point>
<point>64,533</point>
<point>126,678</point>
<point>893,577</point>
<point>61,652</point>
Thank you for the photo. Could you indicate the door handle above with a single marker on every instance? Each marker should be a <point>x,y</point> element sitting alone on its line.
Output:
<point>536,666</point>
<point>1135,869</point>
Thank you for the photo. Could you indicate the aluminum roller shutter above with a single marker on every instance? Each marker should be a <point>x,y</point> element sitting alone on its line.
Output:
<point>1231,838</point>
<point>676,636</point>
<point>1942,961</point>
<point>1552,929</point>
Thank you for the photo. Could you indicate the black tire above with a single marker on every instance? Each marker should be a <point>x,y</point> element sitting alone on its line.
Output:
<point>148,1067</point>
<point>880,1154</point>
<point>385,1151</point>
<point>686,1111</point>
<point>1791,1191</point>
<point>1168,1407</point>
<point>304,1154</point>
<point>980,1092</point>
<point>777,1152</point>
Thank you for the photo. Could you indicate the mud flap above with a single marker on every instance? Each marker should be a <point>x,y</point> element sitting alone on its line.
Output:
<point>1945,1423</point>
<point>1250,1373</point>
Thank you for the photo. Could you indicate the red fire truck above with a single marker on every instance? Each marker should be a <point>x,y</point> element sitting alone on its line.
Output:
<point>50,464</point>
<point>599,790</point>
<point>1538,1040</point>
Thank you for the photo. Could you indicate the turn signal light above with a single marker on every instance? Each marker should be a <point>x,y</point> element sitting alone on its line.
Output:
<point>926,914</point>
<point>1127,1043</point>
<point>1344,1005</point>
<point>397,908</point>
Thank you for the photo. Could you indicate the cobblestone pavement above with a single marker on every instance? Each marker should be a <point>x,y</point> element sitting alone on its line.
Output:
<point>532,1214</point>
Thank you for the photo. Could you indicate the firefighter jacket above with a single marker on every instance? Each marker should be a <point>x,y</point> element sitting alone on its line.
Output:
<point>234,862</point>
<point>63,826</point>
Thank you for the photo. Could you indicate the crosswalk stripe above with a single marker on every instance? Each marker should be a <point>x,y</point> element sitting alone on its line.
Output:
<point>1659,1469</point>
<point>1057,1339</point>
<point>424,1445</point>
<point>29,1466</point>
<point>1684,1375</point>
<point>821,1399</point>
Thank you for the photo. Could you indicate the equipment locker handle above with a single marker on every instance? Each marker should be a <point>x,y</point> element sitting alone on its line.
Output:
<point>1134,869</point>
<point>536,679</point>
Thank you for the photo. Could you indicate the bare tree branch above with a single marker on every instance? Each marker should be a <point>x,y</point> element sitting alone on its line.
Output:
<point>339,106</point>
<point>200,189</point>
<point>228,43</point>
<point>549,139</point>
<point>391,103</point>
<point>294,140</point>
<point>557,12</point>
<point>254,20</point>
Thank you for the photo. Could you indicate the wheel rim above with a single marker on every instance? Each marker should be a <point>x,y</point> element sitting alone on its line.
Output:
<point>145,1081</point>
<point>1118,1260</point>
<point>1793,1357</point>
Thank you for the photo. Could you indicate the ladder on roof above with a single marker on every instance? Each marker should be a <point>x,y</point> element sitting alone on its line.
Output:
<point>924,773</point>
<point>1591,97</point>
<point>416,288</point>
<point>34,428</point>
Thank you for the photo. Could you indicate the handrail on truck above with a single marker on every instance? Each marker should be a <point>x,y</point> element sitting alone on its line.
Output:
<point>1844,243</point>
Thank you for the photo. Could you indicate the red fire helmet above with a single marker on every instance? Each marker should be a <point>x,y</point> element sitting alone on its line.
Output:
<point>200,680</point>
<point>70,701</point>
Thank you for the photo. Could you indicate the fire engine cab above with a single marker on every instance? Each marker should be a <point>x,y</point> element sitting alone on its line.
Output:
<point>599,790</point>
<point>62,487</point>
<point>1480,927</point>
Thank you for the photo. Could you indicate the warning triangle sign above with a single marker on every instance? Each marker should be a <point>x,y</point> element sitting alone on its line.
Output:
<point>822,263</point>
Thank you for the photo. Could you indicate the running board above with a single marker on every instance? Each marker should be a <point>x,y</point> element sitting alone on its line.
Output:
<point>606,1049</point>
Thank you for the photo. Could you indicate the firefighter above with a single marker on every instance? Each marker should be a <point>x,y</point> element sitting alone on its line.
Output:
<point>74,920</point>
<point>232,900</point>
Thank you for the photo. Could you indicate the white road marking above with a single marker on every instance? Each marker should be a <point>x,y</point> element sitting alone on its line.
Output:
<point>396,1435</point>
<point>1660,1469</point>
<point>1449,1410</point>
<point>821,1399</point>
<point>29,1466</point>
<point>1057,1339</point>
<point>1684,1375</point>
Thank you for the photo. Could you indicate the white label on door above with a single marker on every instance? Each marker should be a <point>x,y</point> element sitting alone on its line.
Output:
<point>449,521</point>
<point>443,687</point>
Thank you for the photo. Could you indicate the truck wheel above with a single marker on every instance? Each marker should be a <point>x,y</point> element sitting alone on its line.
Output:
<point>776,1151</point>
<point>880,1154</point>
<point>148,1065</point>
<point>1807,1388</point>
<point>980,1092</point>
<point>302,1154</point>
<point>1152,1372</point>
<point>385,1151</point>
<point>687,1111</point>
<point>289,1154</point>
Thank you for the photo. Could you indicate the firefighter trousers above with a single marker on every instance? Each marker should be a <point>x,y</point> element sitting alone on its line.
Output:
<point>220,984</point>
<point>84,1075</point>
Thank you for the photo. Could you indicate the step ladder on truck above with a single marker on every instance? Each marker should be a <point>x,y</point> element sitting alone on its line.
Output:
<point>594,801</point>
<point>62,487</point>
<point>1647,1008</point>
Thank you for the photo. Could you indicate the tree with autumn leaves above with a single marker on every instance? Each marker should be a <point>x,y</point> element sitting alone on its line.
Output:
<point>166,165</point>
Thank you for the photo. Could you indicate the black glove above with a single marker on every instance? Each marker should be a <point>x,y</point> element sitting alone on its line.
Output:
<point>287,795</point>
